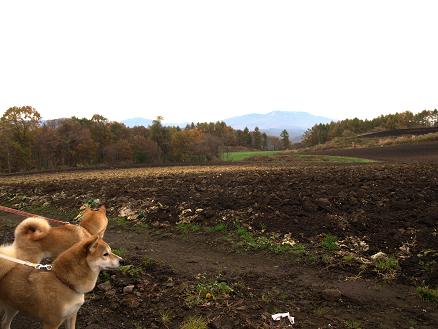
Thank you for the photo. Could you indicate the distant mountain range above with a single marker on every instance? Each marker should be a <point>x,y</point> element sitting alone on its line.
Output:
<point>137,122</point>
<point>273,123</point>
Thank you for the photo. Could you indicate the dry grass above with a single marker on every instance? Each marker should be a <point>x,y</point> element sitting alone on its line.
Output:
<point>411,139</point>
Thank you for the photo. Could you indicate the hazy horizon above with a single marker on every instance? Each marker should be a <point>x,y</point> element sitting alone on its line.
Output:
<point>203,61</point>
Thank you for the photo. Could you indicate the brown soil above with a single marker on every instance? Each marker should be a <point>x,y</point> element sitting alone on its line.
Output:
<point>421,152</point>
<point>387,206</point>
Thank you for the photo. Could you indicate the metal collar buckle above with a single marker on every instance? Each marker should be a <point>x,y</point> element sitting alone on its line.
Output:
<point>47,267</point>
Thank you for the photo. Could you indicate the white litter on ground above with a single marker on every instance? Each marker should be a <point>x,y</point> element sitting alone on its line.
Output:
<point>279,316</point>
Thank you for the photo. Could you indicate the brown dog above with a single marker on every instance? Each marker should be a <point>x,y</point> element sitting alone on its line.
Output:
<point>59,239</point>
<point>35,239</point>
<point>55,297</point>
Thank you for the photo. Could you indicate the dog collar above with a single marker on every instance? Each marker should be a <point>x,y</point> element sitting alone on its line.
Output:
<point>66,283</point>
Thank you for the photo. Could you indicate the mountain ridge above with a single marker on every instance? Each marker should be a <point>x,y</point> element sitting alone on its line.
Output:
<point>272,123</point>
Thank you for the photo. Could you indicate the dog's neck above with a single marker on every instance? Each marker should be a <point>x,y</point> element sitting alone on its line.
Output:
<point>73,270</point>
<point>89,227</point>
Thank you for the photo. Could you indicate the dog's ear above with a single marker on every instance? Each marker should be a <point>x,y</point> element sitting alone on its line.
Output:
<point>101,233</point>
<point>102,209</point>
<point>91,243</point>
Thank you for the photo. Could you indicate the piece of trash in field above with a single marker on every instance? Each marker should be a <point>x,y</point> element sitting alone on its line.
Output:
<point>279,316</point>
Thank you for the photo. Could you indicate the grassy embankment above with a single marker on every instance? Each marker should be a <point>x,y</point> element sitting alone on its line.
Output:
<point>240,156</point>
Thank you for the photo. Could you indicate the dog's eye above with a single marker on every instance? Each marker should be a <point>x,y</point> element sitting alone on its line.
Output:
<point>106,254</point>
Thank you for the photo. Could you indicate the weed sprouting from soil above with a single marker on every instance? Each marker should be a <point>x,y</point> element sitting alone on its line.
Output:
<point>194,322</point>
<point>298,249</point>
<point>119,251</point>
<point>330,242</point>
<point>353,324</point>
<point>387,267</point>
<point>207,291</point>
<point>92,203</point>
<point>387,264</point>
<point>148,263</point>
<point>165,318</point>
<point>348,259</point>
<point>221,227</point>
<point>428,294</point>
<point>188,228</point>
<point>251,241</point>
<point>104,276</point>
<point>132,270</point>
<point>138,325</point>
<point>119,221</point>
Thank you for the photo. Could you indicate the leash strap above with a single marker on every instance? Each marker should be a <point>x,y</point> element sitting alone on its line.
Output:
<point>47,267</point>
<point>28,214</point>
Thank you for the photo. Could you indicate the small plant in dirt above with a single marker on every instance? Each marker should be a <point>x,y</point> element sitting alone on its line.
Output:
<point>208,291</point>
<point>348,259</point>
<point>92,203</point>
<point>428,294</point>
<point>194,322</point>
<point>165,318</point>
<point>119,221</point>
<point>428,260</point>
<point>119,251</point>
<point>221,227</point>
<point>138,325</point>
<point>243,232</point>
<point>250,241</point>
<point>387,264</point>
<point>148,263</point>
<point>104,276</point>
<point>298,249</point>
<point>188,228</point>
<point>353,324</point>
<point>131,270</point>
<point>329,242</point>
<point>320,311</point>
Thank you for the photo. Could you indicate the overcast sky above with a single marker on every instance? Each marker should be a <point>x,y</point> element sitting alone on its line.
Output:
<point>209,60</point>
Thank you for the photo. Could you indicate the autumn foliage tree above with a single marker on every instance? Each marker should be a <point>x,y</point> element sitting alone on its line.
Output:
<point>29,144</point>
<point>17,128</point>
<point>322,133</point>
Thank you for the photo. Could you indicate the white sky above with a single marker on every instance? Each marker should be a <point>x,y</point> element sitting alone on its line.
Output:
<point>210,60</point>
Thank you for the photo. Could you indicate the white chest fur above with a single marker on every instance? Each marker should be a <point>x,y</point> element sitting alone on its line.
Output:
<point>74,305</point>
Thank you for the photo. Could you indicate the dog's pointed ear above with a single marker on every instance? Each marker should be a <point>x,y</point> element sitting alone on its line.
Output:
<point>101,233</point>
<point>91,243</point>
<point>102,209</point>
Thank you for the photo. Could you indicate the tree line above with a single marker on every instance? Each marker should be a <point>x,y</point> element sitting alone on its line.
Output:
<point>28,143</point>
<point>321,133</point>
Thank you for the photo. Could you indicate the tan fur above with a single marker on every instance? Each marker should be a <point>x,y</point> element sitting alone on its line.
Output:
<point>61,238</point>
<point>56,296</point>
<point>94,221</point>
<point>27,244</point>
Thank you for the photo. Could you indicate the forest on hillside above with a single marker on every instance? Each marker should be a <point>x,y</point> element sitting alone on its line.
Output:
<point>322,133</point>
<point>28,143</point>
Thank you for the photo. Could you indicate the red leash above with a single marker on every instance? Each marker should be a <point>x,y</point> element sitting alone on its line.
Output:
<point>27,214</point>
